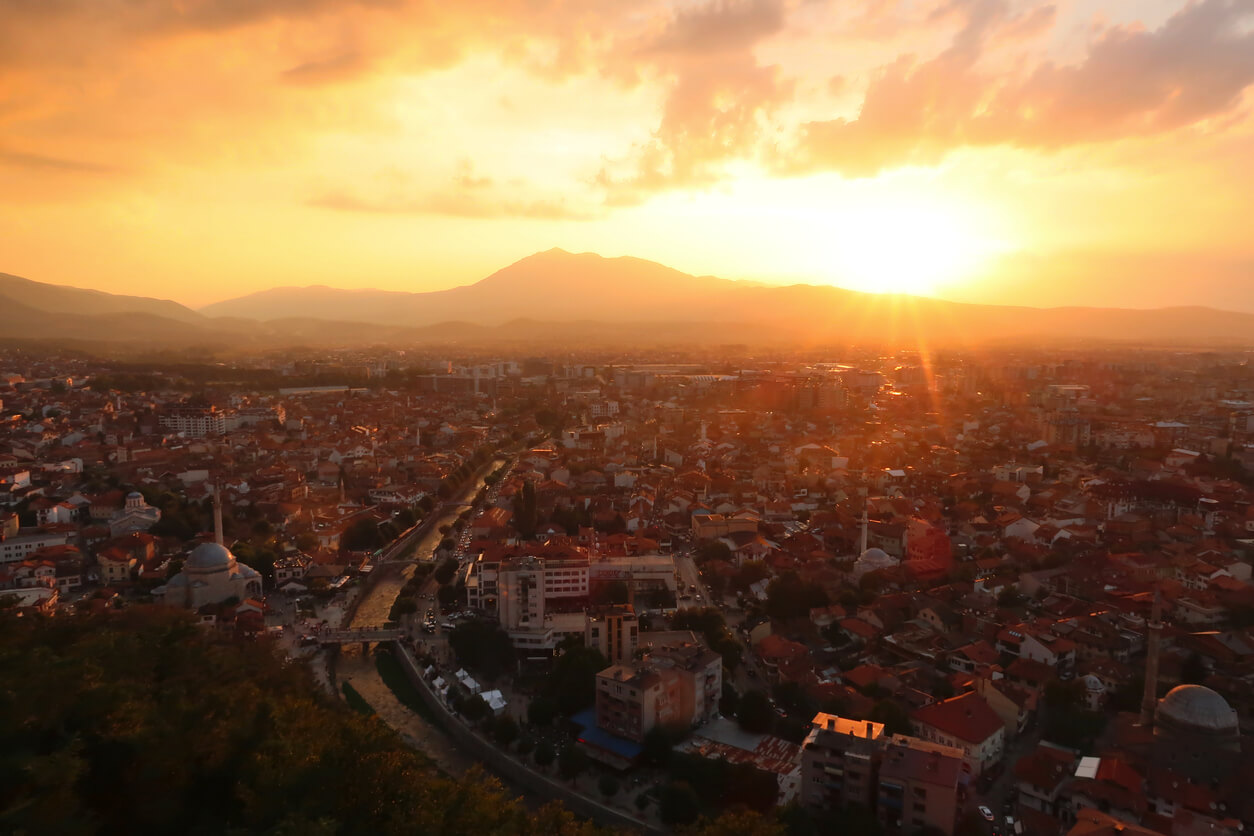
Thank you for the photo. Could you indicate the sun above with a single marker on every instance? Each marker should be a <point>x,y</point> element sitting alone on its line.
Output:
<point>914,247</point>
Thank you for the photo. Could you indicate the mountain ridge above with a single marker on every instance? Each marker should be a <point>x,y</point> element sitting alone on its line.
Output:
<point>560,296</point>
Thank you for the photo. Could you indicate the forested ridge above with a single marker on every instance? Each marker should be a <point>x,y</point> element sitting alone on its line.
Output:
<point>142,722</point>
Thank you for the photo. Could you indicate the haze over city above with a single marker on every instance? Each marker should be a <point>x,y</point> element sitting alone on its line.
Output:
<point>1085,152</point>
<point>642,417</point>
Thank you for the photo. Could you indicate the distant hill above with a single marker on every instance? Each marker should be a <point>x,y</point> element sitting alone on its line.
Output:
<point>73,300</point>
<point>560,298</point>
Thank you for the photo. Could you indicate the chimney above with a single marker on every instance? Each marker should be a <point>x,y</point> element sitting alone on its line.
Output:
<point>869,726</point>
<point>831,723</point>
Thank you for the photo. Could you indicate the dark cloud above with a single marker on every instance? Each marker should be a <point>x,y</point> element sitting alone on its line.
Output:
<point>340,67</point>
<point>43,163</point>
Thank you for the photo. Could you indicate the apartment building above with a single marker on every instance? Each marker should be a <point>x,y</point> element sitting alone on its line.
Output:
<point>838,762</point>
<point>614,631</point>
<point>674,686</point>
<point>918,786</point>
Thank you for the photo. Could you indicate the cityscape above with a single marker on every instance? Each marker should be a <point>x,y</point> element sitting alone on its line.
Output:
<point>908,594</point>
<point>596,417</point>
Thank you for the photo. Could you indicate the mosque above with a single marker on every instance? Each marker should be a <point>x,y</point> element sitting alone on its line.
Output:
<point>211,574</point>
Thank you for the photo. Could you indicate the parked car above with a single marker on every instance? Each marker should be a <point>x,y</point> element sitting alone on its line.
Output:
<point>986,813</point>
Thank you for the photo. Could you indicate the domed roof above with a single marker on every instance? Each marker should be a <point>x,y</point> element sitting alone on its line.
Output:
<point>209,557</point>
<point>1196,707</point>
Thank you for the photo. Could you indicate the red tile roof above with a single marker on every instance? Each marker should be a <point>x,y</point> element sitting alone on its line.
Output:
<point>967,717</point>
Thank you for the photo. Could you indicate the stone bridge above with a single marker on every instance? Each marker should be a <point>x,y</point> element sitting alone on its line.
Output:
<point>365,634</point>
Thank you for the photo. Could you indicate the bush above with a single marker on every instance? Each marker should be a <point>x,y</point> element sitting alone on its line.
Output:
<point>678,804</point>
<point>572,762</point>
<point>608,785</point>
<point>505,730</point>
<point>755,714</point>
<point>545,754</point>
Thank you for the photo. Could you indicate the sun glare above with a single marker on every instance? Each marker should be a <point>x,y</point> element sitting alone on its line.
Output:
<point>914,248</point>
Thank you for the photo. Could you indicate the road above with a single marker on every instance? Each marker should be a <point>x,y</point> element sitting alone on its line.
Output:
<point>690,576</point>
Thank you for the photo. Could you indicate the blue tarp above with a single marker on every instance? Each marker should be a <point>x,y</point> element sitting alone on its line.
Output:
<point>593,735</point>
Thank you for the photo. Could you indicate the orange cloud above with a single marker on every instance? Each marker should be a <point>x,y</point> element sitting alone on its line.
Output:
<point>1133,82</point>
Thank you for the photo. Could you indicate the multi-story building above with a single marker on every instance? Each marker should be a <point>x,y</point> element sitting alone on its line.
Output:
<point>966,722</point>
<point>838,761</point>
<point>918,786</point>
<point>614,631</point>
<point>18,546</point>
<point>195,422</point>
<point>675,686</point>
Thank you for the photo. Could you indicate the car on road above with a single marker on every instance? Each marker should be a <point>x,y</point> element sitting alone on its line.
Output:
<point>986,813</point>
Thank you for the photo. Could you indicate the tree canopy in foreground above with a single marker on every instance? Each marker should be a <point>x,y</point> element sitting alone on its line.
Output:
<point>139,721</point>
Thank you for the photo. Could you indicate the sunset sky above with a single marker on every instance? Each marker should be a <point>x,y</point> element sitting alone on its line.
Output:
<point>1009,151</point>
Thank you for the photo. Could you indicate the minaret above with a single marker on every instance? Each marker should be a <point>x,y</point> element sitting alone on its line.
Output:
<point>865,519</point>
<point>217,516</point>
<point>1154,630</point>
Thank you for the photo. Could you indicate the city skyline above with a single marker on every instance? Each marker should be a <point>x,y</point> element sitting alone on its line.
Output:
<point>1078,153</point>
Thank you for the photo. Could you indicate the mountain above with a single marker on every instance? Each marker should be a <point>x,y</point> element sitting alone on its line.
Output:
<point>550,286</point>
<point>556,298</point>
<point>73,300</point>
<point>564,288</point>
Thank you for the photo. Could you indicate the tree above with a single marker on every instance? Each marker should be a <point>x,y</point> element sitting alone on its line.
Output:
<point>892,715</point>
<point>483,646</point>
<point>714,550</point>
<point>525,511</point>
<point>542,711</point>
<point>475,708</point>
<point>362,535</point>
<point>445,572</point>
<point>505,730</point>
<point>657,746</point>
<point>572,762</point>
<point>545,754</point>
<point>526,745</point>
<point>204,717</point>
<point>678,804</point>
<point>608,786</point>
<point>572,685</point>
<point>789,597</point>
<point>755,713</point>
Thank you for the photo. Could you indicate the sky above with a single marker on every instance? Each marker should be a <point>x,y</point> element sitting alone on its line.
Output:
<point>1094,152</point>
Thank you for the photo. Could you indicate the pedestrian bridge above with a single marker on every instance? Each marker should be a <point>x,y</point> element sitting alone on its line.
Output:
<point>366,634</point>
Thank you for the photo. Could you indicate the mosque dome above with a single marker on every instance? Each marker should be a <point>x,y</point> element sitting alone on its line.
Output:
<point>209,557</point>
<point>874,559</point>
<point>1196,708</point>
